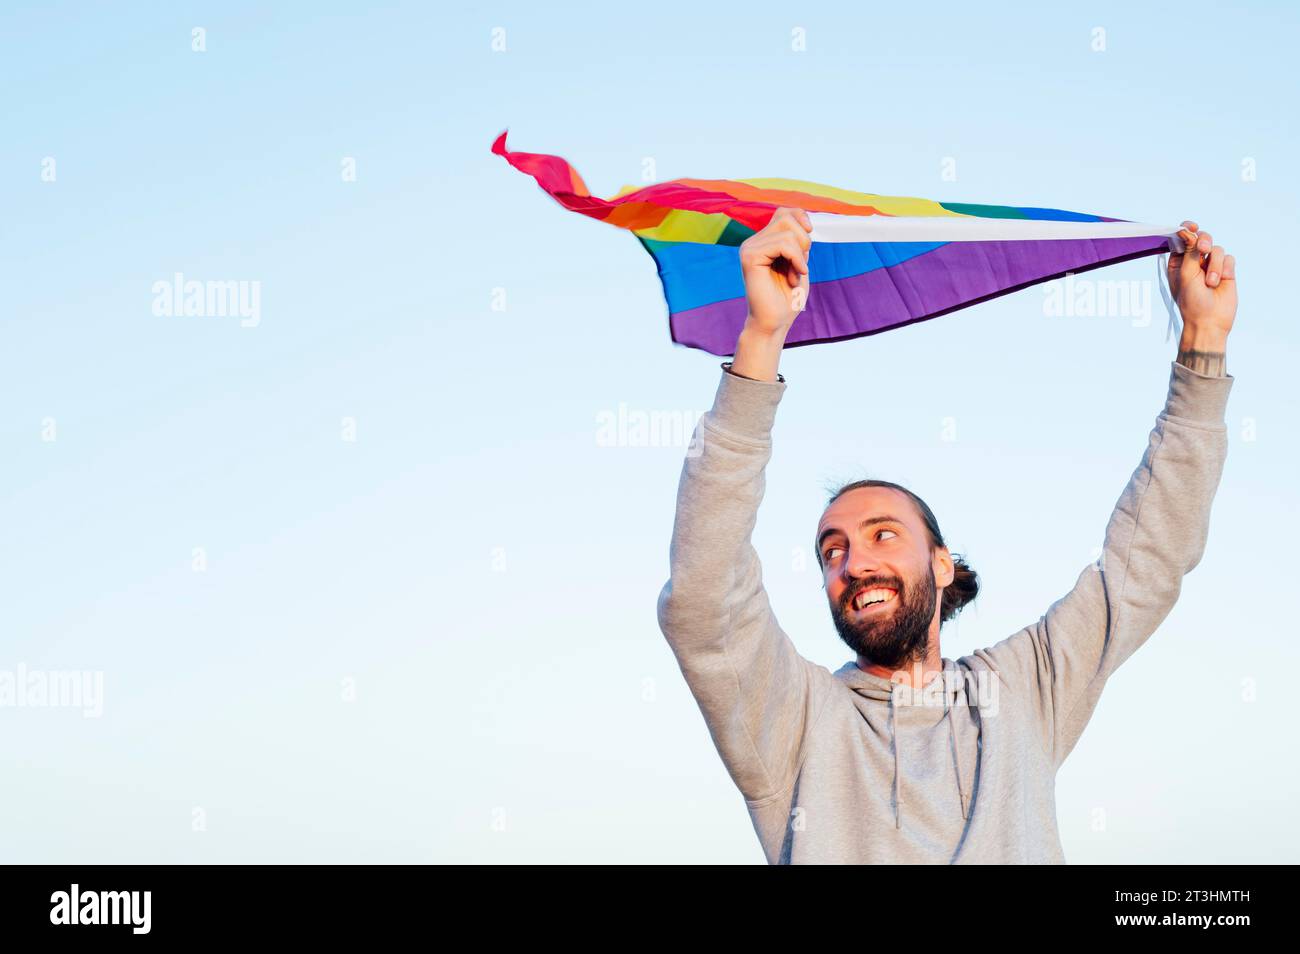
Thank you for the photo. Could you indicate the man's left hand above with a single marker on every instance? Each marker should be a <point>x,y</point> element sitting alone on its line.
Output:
<point>1203,280</point>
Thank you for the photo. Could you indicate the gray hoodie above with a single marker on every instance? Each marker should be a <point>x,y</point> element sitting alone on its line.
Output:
<point>848,767</point>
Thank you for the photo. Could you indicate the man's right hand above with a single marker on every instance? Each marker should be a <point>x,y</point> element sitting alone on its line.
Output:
<point>774,263</point>
<point>775,266</point>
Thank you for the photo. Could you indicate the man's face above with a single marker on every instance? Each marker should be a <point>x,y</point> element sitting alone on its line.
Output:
<point>873,543</point>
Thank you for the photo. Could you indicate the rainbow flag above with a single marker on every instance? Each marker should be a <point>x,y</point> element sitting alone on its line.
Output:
<point>877,262</point>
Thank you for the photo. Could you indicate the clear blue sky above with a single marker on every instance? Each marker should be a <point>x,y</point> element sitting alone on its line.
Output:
<point>476,564</point>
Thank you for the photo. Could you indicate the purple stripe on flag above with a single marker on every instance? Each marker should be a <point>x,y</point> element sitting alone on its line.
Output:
<point>949,277</point>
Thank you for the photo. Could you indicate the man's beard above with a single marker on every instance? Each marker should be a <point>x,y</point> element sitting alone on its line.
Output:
<point>897,638</point>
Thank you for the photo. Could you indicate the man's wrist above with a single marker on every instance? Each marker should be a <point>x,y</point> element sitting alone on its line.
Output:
<point>1212,364</point>
<point>727,366</point>
<point>1204,352</point>
<point>758,354</point>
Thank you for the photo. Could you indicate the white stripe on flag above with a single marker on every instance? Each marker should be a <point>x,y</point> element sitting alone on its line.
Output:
<point>831,227</point>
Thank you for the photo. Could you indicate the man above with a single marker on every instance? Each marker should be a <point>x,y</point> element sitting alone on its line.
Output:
<point>902,755</point>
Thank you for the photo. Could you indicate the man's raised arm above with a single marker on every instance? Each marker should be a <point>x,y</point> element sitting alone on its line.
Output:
<point>757,694</point>
<point>1158,530</point>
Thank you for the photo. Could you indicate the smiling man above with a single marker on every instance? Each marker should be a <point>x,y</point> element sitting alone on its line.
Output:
<point>884,606</point>
<point>903,755</point>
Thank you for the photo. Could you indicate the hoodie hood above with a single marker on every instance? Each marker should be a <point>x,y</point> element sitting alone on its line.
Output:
<point>886,692</point>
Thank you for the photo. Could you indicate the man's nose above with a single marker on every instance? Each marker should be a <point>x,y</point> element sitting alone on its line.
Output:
<point>861,563</point>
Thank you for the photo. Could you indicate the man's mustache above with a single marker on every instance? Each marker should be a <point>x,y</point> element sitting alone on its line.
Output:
<point>852,593</point>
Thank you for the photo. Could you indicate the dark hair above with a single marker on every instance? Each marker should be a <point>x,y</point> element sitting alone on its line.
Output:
<point>965,585</point>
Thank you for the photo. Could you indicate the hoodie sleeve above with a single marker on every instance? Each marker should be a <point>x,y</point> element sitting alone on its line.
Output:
<point>752,686</point>
<point>1155,536</point>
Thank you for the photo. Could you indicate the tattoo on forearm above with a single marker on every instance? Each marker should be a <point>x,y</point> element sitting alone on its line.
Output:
<point>1212,363</point>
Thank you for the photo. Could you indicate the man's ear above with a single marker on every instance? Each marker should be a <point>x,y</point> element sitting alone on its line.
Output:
<point>945,571</point>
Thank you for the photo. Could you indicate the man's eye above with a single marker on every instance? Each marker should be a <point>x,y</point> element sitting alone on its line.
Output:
<point>827,555</point>
<point>885,531</point>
